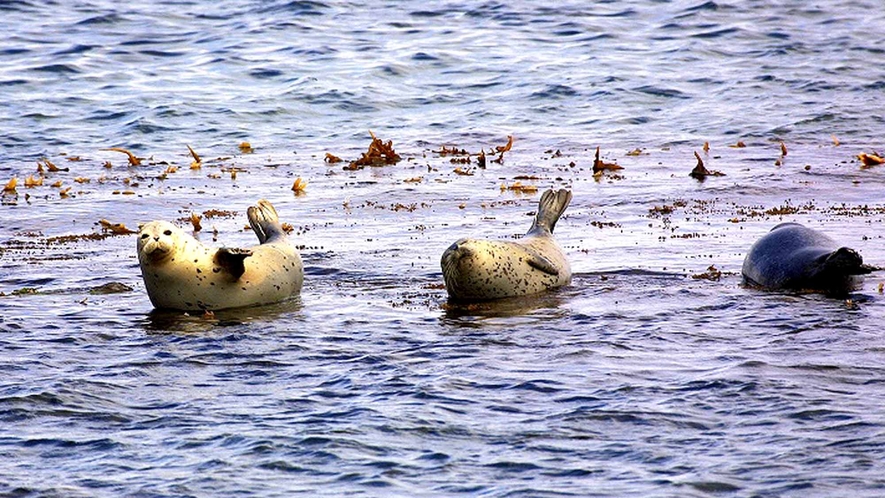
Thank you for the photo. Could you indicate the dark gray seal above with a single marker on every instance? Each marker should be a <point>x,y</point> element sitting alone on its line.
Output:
<point>794,257</point>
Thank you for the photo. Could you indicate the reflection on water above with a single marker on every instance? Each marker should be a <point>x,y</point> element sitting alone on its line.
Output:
<point>463,311</point>
<point>195,322</point>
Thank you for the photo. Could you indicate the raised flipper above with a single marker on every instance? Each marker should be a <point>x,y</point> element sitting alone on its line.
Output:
<point>550,208</point>
<point>264,221</point>
<point>232,260</point>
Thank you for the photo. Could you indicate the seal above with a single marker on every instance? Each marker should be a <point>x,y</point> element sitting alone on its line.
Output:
<point>480,269</point>
<point>181,273</point>
<point>794,257</point>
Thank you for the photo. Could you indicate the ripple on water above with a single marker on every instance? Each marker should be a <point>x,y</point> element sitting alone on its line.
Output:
<point>644,376</point>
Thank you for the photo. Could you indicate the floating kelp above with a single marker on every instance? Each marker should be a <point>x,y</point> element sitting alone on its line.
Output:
<point>500,150</point>
<point>133,161</point>
<point>451,151</point>
<point>712,274</point>
<point>196,221</point>
<point>216,213</point>
<point>659,211</point>
<point>463,156</point>
<point>114,228</point>
<point>50,166</point>
<point>379,154</point>
<point>700,172</point>
<point>505,148</point>
<point>110,288</point>
<point>197,163</point>
<point>299,186</point>
<point>599,165</point>
<point>520,188</point>
<point>868,160</point>
<point>10,186</point>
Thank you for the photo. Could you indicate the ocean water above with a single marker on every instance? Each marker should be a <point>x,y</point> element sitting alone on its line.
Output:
<point>650,375</point>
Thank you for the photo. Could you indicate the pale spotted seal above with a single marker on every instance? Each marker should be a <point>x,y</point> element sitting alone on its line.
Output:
<point>794,257</point>
<point>181,273</point>
<point>491,269</point>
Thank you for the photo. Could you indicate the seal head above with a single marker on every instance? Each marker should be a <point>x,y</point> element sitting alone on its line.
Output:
<point>181,273</point>
<point>478,269</point>
<point>794,257</point>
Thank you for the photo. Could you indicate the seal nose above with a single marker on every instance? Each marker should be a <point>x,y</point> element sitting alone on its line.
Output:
<point>156,238</point>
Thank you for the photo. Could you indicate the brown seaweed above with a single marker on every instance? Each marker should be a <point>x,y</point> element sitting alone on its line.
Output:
<point>700,172</point>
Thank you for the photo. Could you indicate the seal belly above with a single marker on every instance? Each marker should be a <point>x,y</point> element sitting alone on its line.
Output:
<point>272,277</point>
<point>272,274</point>
<point>181,273</point>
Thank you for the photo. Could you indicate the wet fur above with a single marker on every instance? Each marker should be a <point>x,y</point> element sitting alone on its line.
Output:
<point>183,274</point>
<point>794,257</point>
<point>478,269</point>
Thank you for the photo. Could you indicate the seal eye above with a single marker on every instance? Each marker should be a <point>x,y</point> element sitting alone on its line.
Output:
<point>144,236</point>
<point>167,232</point>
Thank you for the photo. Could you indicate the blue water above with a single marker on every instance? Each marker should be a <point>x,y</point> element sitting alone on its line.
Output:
<point>637,379</point>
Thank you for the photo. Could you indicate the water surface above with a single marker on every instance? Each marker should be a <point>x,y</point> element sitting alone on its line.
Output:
<point>640,378</point>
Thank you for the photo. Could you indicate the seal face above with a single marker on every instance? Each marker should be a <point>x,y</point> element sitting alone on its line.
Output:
<point>794,257</point>
<point>181,273</point>
<point>492,269</point>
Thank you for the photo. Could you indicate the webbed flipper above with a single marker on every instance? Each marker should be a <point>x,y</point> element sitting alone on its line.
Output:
<point>232,260</point>
<point>264,221</point>
<point>550,208</point>
<point>846,261</point>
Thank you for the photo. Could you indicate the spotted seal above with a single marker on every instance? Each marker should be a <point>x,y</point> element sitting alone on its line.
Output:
<point>183,274</point>
<point>794,257</point>
<point>479,269</point>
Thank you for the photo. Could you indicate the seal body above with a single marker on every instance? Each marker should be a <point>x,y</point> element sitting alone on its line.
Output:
<point>479,269</point>
<point>181,273</point>
<point>794,257</point>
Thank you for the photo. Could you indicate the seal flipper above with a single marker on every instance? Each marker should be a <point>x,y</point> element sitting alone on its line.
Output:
<point>550,208</point>
<point>845,261</point>
<point>231,260</point>
<point>539,262</point>
<point>264,221</point>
